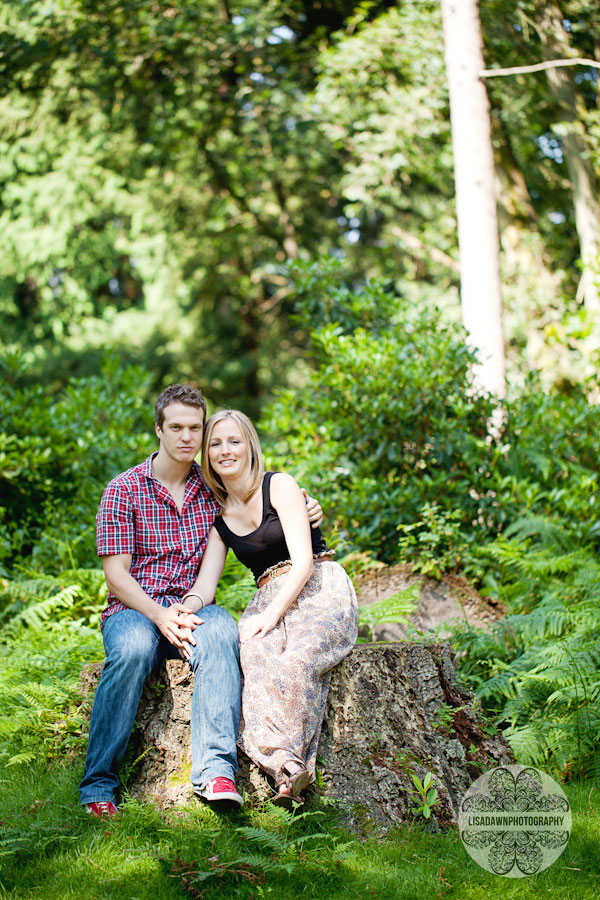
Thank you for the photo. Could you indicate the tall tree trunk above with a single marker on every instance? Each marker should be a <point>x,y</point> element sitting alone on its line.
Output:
<point>556,45</point>
<point>475,190</point>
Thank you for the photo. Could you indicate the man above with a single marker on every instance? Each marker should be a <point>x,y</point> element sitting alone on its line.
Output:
<point>152,528</point>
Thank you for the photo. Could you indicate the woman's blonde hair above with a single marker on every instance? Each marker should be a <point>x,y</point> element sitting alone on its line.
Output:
<point>256,467</point>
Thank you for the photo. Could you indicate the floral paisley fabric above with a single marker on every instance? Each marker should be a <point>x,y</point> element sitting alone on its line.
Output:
<point>287,672</point>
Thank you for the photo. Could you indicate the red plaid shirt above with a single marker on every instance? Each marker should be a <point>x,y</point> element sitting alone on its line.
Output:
<point>137,515</point>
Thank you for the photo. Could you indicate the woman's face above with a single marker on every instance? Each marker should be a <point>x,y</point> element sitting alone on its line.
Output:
<point>227,450</point>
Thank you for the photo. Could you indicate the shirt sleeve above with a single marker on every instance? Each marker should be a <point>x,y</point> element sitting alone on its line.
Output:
<point>115,530</point>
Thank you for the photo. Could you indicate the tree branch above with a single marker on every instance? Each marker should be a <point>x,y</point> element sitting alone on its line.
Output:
<point>539,67</point>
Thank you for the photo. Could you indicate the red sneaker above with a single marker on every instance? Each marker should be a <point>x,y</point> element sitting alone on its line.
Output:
<point>102,809</point>
<point>221,793</point>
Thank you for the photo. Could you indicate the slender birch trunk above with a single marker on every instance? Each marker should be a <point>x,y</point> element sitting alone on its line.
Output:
<point>475,191</point>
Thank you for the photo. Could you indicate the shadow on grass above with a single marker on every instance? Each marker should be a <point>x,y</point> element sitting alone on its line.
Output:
<point>51,849</point>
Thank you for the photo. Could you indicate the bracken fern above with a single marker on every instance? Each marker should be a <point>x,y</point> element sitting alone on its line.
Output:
<point>539,668</point>
<point>49,631</point>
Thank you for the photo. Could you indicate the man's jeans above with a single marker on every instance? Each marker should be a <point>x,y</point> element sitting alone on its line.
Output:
<point>134,646</point>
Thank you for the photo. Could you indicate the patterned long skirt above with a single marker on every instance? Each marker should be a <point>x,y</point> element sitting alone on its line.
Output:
<point>287,672</point>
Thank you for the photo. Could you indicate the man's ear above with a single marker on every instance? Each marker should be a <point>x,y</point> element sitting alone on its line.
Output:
<point>158,430</point>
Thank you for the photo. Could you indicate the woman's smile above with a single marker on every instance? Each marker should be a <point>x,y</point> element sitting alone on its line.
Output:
<point>227,448</point>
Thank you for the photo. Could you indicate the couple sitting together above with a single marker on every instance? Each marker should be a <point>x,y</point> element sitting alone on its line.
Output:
<point>163,531</point>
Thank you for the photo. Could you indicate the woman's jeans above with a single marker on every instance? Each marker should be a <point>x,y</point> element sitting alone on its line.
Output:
<point>134,646</point>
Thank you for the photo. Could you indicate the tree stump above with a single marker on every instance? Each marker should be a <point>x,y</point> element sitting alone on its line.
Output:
<point>394,710</point>
<point>442,602</point>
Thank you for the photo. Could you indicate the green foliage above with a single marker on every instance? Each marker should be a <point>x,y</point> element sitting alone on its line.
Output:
<point>40,697</point>
<point>382,82</point>
<point>49,630</point>
<point>444,717</point>
<point>390,435</point>
<point>425,792</point>
<point>57,454</point>
<point>160,165</point>
<point>538,669</point>
<point>434,543</point>
<point>53,850</point>
<point>393,609</point>
<point>236,587</point>
<point>549,457</point>
<point>280,849</point>
<point>33,600</point>
<point>388,421</point>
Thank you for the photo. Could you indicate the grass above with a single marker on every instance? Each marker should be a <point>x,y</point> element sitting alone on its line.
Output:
<point>50,849</point>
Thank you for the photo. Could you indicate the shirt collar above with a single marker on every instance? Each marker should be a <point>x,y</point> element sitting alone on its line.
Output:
<point>195,471</point>
<point>194,479</point>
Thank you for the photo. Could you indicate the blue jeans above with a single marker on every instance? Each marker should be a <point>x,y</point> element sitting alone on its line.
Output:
<point>134,646</point>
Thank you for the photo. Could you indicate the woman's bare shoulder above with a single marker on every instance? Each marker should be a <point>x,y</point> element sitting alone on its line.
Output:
<point>283,486</point>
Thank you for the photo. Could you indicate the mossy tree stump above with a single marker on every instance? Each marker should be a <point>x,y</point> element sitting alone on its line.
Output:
<point>394,710</point>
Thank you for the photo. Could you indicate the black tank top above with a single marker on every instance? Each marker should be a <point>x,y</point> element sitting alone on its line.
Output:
<point>265,546</point>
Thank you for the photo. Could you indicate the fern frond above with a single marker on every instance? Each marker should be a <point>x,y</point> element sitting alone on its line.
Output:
<point>38,613</point>
<point>236,587</point>
<point>546,531</point>
<point>393,609</point>
<point>26,757</point>
<point>269,866</point>
<point>263,838</point>
<point>528,744</point>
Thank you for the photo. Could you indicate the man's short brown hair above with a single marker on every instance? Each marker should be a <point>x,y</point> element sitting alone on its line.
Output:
<point>178,393</point>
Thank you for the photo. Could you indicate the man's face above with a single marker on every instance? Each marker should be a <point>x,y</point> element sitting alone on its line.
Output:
<point>181,433</point>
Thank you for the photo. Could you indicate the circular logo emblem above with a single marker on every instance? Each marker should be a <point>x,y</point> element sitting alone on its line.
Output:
<point>515,821</point>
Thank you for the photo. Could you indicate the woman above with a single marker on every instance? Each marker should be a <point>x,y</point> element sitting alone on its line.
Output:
<point>301,621</point>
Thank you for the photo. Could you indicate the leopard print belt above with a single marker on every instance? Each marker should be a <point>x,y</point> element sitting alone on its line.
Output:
<point>285,565</point>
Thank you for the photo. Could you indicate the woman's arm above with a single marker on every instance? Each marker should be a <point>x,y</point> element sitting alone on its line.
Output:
<point>213,562</point>
<point>290,505</point>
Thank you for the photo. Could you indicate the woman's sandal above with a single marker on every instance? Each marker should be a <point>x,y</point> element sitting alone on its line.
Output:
<point>295,779</point>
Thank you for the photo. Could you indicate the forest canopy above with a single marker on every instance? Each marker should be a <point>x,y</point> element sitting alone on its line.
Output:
<point>163,163</point>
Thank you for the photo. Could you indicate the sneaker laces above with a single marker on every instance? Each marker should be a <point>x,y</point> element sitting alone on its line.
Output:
<point>220,784</point>
<point>104,806</point>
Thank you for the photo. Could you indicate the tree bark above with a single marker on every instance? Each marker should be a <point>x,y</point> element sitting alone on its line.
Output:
<point>555,43</point>
<point>475,191</point>
<point>394,710</point>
